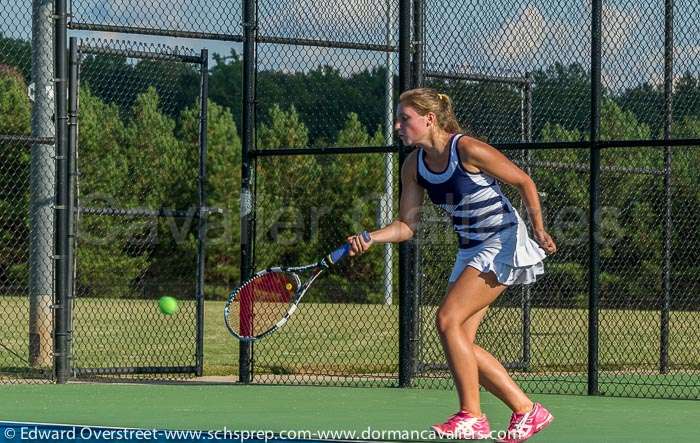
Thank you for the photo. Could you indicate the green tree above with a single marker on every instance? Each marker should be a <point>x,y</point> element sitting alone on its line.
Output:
<point>286,193</point>
<point>619,124</point>
<point>176,83</point>
<point>222,190</point>
<point>632,203</point>
<point>226,83</point>
<point>322,96</point>
<point>110,78</point>
<point>15,109</point>
<point>556,132</point>
<point>158,169</point>
<point>353,186</point>
<point>688,127</point>
<point>489,111</point>
<point>629,200</point>
<point>685,213</point>
<point>162,174</point>
<point>16,53</point>
<point>646,102</point>
<point>15,115</point>
<point>686,97</point>
<point>322,110</point>
<point>106,265</point>
<point>357,175</point>
<point>285,130</point>
<point>115,79</point>
<point>561,96</point>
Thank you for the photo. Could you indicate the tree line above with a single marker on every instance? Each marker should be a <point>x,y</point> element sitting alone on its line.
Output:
<point>136,152</point>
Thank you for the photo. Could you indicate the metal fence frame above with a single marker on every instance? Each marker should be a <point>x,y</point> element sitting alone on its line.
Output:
<point>411,73</point>
<point>202,211</point>
<point>595,145</point>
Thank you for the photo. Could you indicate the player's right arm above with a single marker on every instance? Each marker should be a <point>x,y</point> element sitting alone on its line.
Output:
<point>404,227</point>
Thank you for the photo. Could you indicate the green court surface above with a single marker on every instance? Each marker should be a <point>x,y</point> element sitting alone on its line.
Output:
<point>381,410</point>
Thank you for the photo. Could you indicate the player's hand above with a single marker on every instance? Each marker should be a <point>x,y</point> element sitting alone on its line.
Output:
<point>358,245</point>
<point>545,241</point>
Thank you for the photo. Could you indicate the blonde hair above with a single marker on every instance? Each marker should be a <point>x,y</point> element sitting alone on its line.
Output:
<point>425,100</point>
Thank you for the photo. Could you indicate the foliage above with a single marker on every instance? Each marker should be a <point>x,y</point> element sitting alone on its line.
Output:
<point>353,184</point>
<point>15,115</point>
<point>632,206</point>
<point>362,92</point>
<point>15,108</point>
<point>115,79</point>
<point>285,193</point>
<point>105,266</point>
<point>222,189</point>
<point>17,53</point>
<point>138,147</point>
<point>561,96</point>
<point>489,111</point>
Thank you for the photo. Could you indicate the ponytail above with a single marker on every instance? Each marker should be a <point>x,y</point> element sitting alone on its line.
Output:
<point>425,100</point>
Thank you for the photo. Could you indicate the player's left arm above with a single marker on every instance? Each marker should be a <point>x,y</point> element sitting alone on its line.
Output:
<point>488,159</point>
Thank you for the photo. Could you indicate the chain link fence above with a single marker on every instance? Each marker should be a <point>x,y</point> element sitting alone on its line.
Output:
<point>346,330</point>
<point>310,113</point>
<point>325,80</point>
<point>538,332</point>
<point>647,307</point>
<point>27,173</point>
<point>137,210</point>
<point>188,19</point>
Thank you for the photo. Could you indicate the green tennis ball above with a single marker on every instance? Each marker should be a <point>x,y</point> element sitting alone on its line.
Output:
<point>167,305</point>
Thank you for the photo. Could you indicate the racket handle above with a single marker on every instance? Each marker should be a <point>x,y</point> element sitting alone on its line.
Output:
<point>366,237</point>
<point>342,252</point>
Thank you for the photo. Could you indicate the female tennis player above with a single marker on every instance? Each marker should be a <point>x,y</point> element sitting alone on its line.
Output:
<point>461,175</point>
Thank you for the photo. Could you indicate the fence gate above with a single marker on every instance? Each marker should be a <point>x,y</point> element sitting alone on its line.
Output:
<point>139,215</point>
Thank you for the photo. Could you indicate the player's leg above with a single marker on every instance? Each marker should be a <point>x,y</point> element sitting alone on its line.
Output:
<point>468,295</point>
<point>528,418</point>
<point>492,375</point>
<point>471,293</point>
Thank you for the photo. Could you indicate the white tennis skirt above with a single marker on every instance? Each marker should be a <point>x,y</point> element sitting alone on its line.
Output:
<point>512,255</point>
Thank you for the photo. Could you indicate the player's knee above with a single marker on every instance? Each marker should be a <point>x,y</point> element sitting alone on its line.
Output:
<point>446,322</point>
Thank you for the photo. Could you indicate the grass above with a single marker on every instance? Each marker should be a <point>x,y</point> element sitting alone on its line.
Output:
<point>334,339</point>
<point>559,338</point>
<point>117,332</point>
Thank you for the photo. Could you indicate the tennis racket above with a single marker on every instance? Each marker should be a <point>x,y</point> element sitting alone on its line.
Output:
<point>263,304</point>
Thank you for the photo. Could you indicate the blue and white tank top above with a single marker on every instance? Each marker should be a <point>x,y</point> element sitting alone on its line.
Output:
<point>478,208</point>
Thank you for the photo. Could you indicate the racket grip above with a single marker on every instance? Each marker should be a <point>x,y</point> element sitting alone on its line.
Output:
<point>342,252</point>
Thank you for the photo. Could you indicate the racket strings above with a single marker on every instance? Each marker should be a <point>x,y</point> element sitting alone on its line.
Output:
<point>261,302</point>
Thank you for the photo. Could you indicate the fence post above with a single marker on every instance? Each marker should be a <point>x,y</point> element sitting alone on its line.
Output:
<point>418,44</point>
<point>668,220</point>
<point>73,92</point>
<point>594,200</point>
<point>202,212</point>
<point>248,144</point>
<point>526,136</point>
<point>386,204</point>
<point>42,191</point>
<point>405,269</point>
<point>62,217</point>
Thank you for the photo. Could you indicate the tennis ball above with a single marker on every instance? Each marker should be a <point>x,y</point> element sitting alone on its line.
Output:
<point>167,305</point>
<point>289,286</point>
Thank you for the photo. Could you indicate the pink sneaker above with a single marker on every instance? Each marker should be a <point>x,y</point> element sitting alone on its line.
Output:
<point>464,426</point>
<point>524,426</point>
